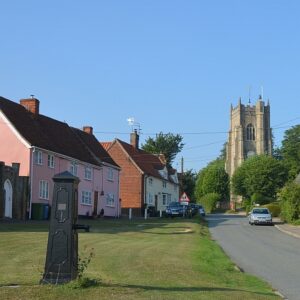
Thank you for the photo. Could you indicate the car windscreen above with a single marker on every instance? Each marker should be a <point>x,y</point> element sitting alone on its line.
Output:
<point>260,211</point>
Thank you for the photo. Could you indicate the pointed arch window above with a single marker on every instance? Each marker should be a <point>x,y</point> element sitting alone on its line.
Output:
<point>250,132</point>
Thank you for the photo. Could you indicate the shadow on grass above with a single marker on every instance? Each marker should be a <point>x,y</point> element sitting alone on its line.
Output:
<point>183,289</point>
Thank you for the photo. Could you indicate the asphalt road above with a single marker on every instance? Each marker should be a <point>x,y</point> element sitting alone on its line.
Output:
<point>260,250</point>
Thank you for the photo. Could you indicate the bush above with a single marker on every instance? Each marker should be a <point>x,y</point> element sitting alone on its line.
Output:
<point>289,198</point>
<point>274,208</point>
<point>260,199</point>
<point>209,201</point>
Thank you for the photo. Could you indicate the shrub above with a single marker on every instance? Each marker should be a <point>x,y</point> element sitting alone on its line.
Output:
<point>209,201</point>
<point>260,199</point>
<point>289,198</point>
<point>274,208</point>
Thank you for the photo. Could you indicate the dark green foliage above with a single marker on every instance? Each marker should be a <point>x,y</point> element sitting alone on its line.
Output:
<point>290,150</point>
<point>289,198</point>
<point>213,179</point>
<point>260,199</point>
<point>188,183</point>
<point>168,144</point>
<point>209,201</point>
<point>260,174</point>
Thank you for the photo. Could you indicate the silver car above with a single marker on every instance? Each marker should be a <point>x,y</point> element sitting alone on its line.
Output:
<point>260,215</point>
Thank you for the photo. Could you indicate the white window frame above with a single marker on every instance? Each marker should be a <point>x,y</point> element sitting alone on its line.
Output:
<point>150,198</point>
<point>74,168</point>
<point>164,184</point>
<point>110,174</point>
<point>38,157</point>
<point>88,173</point>
<point>44,189</point>
<point>51,161</point>
<point>110,200</point>
<point>86,198</point>
<point>150,181</point>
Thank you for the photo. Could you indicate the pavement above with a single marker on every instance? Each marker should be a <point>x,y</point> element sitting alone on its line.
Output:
<point>287,228</point>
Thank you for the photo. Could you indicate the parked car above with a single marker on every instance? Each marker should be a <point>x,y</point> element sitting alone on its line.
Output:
<point>201,210</point>
<point>260,215</point>
<point>174,209</point>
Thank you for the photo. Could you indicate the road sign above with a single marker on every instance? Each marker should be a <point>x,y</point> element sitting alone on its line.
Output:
<point>184,198</point>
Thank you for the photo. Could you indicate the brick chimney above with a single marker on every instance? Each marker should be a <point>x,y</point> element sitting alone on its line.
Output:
<point>134,139</point>
<point>31,104</point>
<point>88,129</point>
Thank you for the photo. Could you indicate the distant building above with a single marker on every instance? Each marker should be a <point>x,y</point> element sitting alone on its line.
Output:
<point>145,180</point>
<point>43,147</point>
<point>250,134</point>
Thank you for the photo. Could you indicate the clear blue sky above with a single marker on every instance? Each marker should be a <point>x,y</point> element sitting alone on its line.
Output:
<point>175,66</point>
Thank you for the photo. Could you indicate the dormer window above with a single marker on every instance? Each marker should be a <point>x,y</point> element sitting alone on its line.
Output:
<point>250,132</point>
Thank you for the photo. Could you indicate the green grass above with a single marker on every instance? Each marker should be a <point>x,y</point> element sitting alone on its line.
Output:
<point>152,259</point>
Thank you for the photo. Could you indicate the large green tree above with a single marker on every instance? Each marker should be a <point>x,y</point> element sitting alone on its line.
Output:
<point>290,150</point>
<point>261,174</point>
<point>168,144</point>
<point>213,179</point>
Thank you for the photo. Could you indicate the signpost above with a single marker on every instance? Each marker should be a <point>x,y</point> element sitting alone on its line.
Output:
<point>184,199</point>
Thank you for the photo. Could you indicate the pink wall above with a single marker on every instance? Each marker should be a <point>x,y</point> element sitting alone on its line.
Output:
<point>12,149</point>
<point>43,172</point>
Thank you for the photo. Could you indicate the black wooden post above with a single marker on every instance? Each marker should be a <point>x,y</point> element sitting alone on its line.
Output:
<point>62,251</point>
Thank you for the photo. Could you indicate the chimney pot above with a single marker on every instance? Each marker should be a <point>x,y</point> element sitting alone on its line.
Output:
<point>31,104</point>
<point>88,129</point>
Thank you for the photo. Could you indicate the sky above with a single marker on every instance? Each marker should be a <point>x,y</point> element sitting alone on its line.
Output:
<point>174,66</point>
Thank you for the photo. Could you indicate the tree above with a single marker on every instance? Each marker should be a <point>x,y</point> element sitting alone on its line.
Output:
<point>290,150</point>
<point>168,144</point>
<point>261,174</point>
<point>213,179</point>
<point>188,182</point>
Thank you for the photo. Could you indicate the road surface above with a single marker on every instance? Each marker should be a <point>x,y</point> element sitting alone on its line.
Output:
<point>260,250</point>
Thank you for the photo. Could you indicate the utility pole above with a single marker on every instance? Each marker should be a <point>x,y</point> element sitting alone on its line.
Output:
<point>181,177</point>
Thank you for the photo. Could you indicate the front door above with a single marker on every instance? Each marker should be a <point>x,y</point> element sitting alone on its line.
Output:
<point>95,204</point>
<point>8,199</point>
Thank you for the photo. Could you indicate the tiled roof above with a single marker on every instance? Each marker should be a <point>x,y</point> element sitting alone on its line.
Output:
<point>53,135</point>
<point>149,163</point>
<point>106,145</point>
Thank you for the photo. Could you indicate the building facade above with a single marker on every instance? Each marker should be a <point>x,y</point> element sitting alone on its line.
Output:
<point>250,134</point>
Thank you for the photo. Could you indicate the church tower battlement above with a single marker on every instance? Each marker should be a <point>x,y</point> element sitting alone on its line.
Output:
<point>250,133</point>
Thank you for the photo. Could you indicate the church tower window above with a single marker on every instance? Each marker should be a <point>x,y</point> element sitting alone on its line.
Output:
<point>250,132</point>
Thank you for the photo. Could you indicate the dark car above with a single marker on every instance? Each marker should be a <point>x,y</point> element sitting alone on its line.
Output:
<point>175,209</point>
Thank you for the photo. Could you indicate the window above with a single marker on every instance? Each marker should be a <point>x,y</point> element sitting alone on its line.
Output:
<point>86,197</point>
<point>164,199</point>
<point>110,199</point>
<point>73,168</point>
<point>88,173</point>
<point>110,174</point>
<point>250,132</point>
<point>38,157</point>
<point>150,198</point>
<point>164,184</point>
<point>44,190</point>
<point>150,181</point>
<point>50,161</point>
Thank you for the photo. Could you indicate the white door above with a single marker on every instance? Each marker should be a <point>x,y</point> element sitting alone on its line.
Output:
<point>8,199</point>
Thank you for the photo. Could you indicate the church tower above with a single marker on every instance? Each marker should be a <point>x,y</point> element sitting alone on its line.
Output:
<point>250,134</point>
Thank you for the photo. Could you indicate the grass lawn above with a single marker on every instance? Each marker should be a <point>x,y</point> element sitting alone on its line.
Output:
<point>138,259</point>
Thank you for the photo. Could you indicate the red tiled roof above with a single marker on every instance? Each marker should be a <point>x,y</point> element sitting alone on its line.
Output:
<point>53,135</point>
<point>149,163</point>
<point>106,145</point>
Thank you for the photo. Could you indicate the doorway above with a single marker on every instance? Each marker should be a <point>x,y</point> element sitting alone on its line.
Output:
<point>8,193</point>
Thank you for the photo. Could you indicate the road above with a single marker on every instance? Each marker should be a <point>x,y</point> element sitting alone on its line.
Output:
<point>260,250</point>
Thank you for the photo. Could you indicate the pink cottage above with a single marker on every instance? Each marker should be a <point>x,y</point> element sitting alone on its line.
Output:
<point>45,147</point>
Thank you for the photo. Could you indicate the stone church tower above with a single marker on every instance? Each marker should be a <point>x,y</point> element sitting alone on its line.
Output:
<point>249,134</point>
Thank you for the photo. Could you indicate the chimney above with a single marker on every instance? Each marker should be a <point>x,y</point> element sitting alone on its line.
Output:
<point>31,104</point>
<point>134,139</point>
<point>88,129</point>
